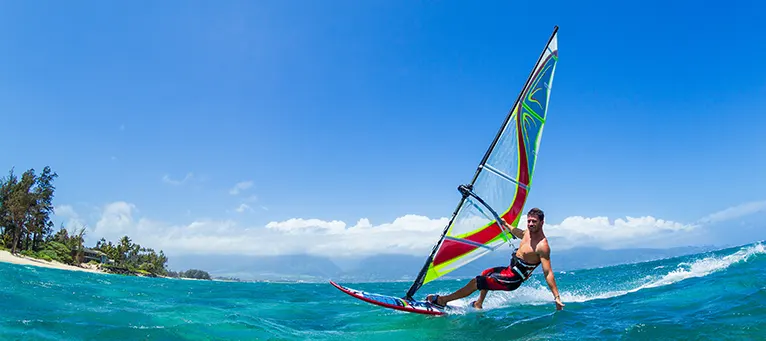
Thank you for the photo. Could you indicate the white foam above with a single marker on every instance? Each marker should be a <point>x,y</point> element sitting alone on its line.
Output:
<point>706,266</point>
<point>533,293</point>
<point>537,293</point>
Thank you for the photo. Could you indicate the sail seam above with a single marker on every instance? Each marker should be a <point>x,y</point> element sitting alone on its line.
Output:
<point>465,241</point>
<point>504,176</point>
<point>523,104</point>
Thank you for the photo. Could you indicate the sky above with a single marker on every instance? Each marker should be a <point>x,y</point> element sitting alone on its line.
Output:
<point>345,127</point>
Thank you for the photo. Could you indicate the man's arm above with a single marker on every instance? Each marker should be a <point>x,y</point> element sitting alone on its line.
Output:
<point>545,259</point>
<point>517,232</point>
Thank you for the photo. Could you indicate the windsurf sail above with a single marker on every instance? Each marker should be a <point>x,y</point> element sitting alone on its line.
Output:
<point>502,180</point>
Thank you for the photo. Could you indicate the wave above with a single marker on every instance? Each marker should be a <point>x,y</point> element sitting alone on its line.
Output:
<point>536,292</point>
<point>705,266</point>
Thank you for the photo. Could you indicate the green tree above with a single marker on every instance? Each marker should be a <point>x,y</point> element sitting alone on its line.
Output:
<point>123,248</point>
<point>20,202</point>
<point>7,184</point>
<point>76,244</point>
<point>195,273</point>
<point>108,248</point>
<point>25,207</point>
<point>62,236</point>
<point>40,224</point>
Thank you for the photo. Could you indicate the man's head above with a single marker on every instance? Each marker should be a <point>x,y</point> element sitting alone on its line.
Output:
<point>535,219</point>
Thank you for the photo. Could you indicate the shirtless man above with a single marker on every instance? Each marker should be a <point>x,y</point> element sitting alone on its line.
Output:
<point>533,251</point>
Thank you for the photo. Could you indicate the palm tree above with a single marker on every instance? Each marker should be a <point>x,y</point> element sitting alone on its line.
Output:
<point>76,245</point>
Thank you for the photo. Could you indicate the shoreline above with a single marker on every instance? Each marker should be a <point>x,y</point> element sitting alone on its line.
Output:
<point>7,257</point>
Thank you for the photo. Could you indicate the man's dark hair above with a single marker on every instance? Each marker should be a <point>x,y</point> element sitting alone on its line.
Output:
<point>538,213</point>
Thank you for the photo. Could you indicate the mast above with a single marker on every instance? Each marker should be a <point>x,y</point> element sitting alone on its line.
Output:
<point>418,282</point>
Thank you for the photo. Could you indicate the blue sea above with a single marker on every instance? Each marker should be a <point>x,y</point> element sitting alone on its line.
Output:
<point>719,295</point>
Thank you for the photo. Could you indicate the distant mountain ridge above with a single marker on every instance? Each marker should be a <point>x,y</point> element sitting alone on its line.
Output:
<point>396,267</point>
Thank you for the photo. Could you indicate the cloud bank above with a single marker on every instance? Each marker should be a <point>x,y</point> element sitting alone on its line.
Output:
<point>619,233</point>
<point>409,234</point>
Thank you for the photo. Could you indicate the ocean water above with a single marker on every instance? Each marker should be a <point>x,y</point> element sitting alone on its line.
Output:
<point>717,295</point>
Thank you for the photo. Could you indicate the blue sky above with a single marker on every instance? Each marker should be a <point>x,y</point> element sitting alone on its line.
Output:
<point>152,112</point>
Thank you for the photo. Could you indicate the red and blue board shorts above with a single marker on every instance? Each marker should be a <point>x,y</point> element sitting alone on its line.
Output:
<point>499,278</point>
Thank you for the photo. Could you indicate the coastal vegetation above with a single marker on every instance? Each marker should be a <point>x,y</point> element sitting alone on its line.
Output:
<point>191,273</point>
<point>26,206</point>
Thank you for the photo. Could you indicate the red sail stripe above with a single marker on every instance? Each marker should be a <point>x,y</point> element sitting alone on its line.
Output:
<point>451,249</point>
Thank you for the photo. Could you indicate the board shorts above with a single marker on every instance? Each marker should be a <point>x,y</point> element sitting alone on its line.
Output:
<point>498,278</point>
<point>505,278</point>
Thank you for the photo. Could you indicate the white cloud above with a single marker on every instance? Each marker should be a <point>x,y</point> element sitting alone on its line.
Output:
<point>302,226</point>
<point>735,212</point>
<point>240,186</point>
<point>73,220</point>
<point>246,204</point>
<point>409,234</point>
<point>166,179</point>
<point>619,233</point>
<point>243,208</point>
<point>65,211</point>
<point>116,220</point>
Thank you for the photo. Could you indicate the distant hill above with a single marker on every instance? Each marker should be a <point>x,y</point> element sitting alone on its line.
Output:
<point>395,267</point>
<point>276,268</point>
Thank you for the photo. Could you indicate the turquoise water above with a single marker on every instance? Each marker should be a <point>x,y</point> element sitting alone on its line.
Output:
<point>715,295</point>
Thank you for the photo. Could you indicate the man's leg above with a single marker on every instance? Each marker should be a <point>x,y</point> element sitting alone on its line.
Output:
<point>460,293</point>
<point>482,295</point>
<point>497,278</point>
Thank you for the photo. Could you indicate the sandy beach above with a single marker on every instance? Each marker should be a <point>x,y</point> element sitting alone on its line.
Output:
<point>7,257</point>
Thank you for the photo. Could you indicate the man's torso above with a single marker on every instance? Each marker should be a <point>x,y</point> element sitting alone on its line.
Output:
<point>527,250</point>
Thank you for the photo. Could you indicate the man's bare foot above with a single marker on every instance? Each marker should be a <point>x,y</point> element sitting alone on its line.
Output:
<point>476,304</point>
<point>435,299</point>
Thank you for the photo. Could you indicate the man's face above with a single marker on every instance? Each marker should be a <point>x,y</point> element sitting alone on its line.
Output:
<point>534,224</point>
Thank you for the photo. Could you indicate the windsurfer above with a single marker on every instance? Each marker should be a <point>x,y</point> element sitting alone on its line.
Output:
<point>533,250</point>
